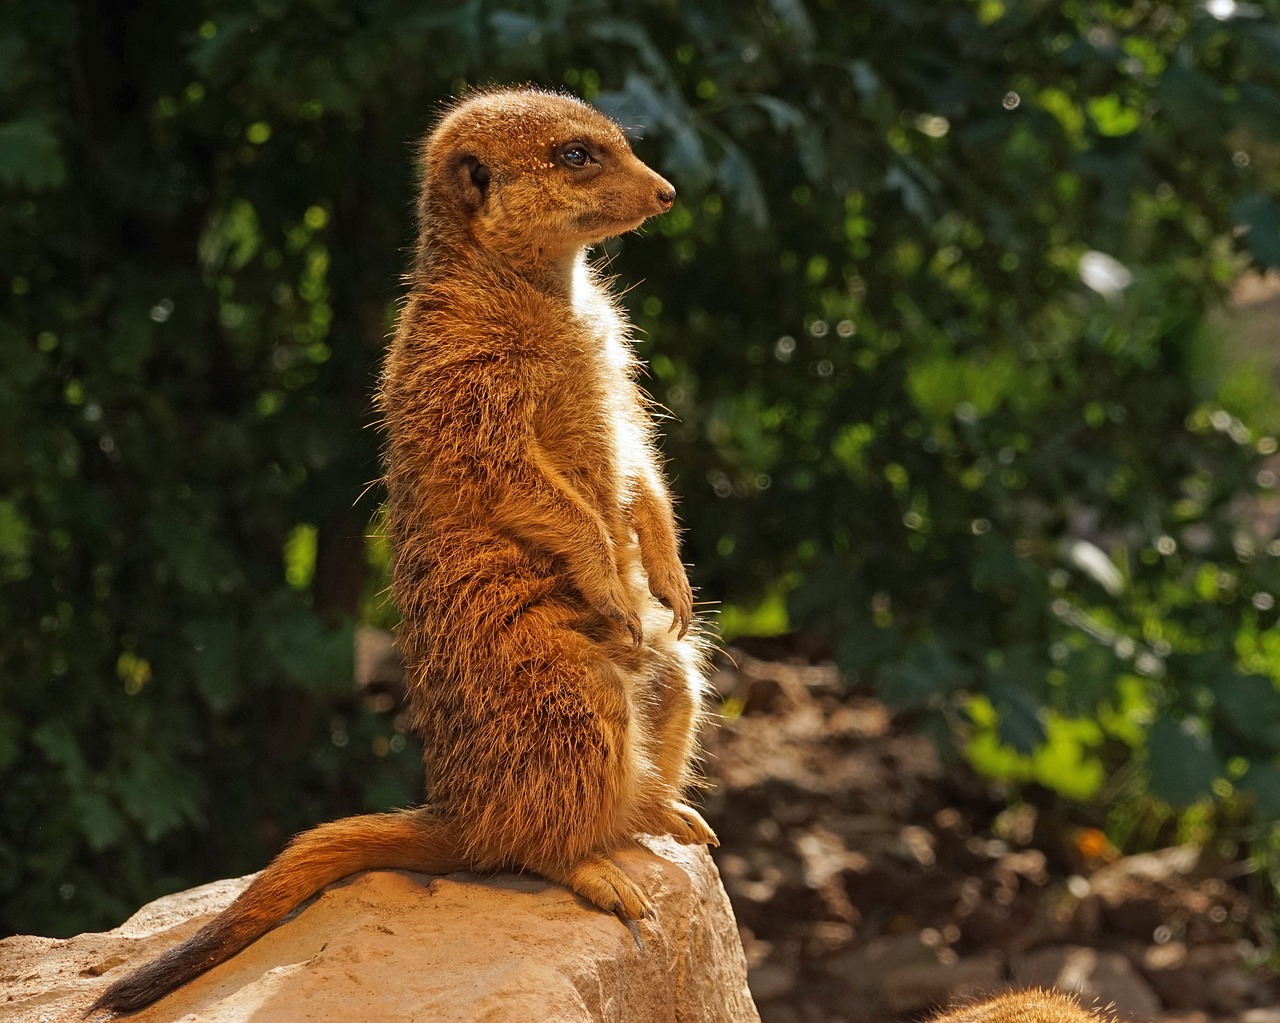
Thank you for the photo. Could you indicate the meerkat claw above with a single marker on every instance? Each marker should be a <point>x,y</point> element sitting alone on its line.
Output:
<point>636,935</point>
<point>637,633</point>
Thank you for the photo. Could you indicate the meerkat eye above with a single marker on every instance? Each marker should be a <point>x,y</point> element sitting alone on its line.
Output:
<point>575,155</point>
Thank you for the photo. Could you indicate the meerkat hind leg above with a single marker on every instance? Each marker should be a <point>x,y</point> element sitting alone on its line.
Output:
<point>676,723</point>
<point>688,827</point>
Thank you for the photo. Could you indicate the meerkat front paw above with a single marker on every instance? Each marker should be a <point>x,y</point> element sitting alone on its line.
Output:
<point>688,827</point>
<point>672,590</point>
<point>614,605</point>
<point>625,619</point>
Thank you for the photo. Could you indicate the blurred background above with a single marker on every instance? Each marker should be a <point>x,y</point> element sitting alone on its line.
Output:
<point>964,317</point>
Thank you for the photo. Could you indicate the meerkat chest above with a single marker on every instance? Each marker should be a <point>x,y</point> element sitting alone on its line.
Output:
<point>585,420</point>
<point>573,416</point>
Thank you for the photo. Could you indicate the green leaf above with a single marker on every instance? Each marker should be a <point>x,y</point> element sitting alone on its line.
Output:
<point>638,99</point>
<point>29,155</point>
<point>793,15</point>
<point>218,51</point>
<point>1262,781</point>
<point>686,158</point>
<point>1182,763</point>
<point>1112,117</point>
<point>312,654</point>
<point>997,563</point>
<point>865,79</point>
<point>232,237</point>
<point>914,186</point>
<point>12,67</point>
<point>1017,685</point>
<point>1020,667</point>
<point>56,740</point>
<point>154,797</point>
<point>1066,762</point>
<point>1091,672</point>
<point>1258,216</point>
<point>214,641</point>
<point>863,645</point>
<point>15,535</point>
<point>1258,108</point>
<point>926,672</point>
<point>739,179</point>
<point>632,34</point>
<point>812,150</point>
<point>783,115</point>
<point>1250,707</point>
<point>511,29</point>
<point>10,739</point>
<point>101,823</point>
<point>1020,726</point>
<point>1191,98</point>
<point>197,559</point>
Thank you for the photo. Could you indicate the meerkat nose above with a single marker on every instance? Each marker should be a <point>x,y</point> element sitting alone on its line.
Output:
<point>666,197</point>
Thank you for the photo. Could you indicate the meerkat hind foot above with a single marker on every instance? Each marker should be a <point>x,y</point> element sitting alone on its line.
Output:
<point>688,827</point>
<point>601,882</point>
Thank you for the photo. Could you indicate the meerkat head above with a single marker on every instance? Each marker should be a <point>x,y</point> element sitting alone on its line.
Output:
<point>535,176</point>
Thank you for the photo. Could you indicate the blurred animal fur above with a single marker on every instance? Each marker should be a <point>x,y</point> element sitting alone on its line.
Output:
<point>555,674</point>
<point>1031,1006</point>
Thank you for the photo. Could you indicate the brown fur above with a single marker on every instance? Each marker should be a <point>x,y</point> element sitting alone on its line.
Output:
<point>1031,1006</point>
<point>535,545</point>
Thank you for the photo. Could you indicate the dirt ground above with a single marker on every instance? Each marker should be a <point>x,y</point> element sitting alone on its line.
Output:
<point>871,882</point>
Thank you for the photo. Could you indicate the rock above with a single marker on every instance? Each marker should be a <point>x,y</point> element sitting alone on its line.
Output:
<point>770,687</point>
<point>1107,977</point>
<point>911,971</point>
<point>927,985</point>
<point>391,946</point>
<point>1119,881</point>
<point>1235,990</point>
<point>1216,977</point>
<point>378,665</point>
<point>770,981</point>
<point>1176,982</point>
<point>764,695</point>
<point>863,967</point>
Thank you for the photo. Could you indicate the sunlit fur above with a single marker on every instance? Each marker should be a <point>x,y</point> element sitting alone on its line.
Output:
<point>555,672</point>
<point>533,530</point>
<point>1032,1006</point>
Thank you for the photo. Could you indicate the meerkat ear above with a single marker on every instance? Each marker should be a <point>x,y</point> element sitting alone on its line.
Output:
<point>472,181</point>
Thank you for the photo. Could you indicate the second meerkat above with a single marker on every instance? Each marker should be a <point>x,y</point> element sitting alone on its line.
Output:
<point>553,665</point>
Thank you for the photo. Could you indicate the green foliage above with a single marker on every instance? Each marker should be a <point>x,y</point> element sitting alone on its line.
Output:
<point>901,411</point>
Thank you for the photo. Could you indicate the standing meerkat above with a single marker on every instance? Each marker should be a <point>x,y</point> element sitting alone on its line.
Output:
<point>553,665</point>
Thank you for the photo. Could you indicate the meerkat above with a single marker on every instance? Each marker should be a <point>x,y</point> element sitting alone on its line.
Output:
<point>555,670</point>
<point>1034,1005</point>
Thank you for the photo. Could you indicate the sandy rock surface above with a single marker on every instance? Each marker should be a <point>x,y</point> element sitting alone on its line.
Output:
<point>391,946</point>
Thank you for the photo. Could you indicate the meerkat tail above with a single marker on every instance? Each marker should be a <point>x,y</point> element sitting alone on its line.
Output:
<point>407,840</point>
